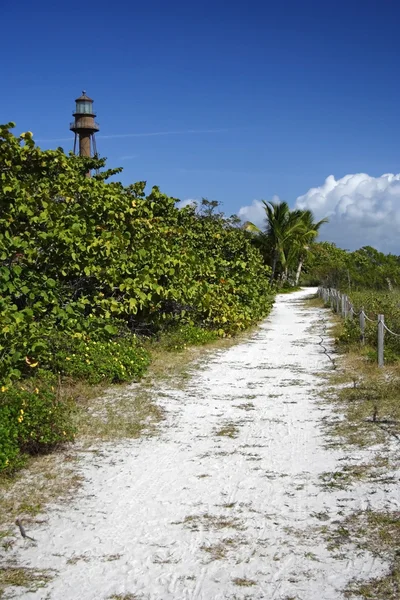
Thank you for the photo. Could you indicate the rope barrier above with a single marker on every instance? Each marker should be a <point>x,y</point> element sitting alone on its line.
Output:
<point>390,331</point>
<point>368,319</point>
<point>337,294</point>
<point>361,312</point>
<point>346,307</point>
<point>341,304</point>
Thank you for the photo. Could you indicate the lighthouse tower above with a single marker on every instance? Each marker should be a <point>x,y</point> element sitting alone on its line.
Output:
<point>84,126</point>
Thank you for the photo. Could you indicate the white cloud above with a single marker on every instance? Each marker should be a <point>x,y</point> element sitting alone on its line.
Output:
<point>187,202</point>
<point>362,210</point>
<point>255,213</point>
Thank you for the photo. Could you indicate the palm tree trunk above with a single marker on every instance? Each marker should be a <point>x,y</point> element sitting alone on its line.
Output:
<point>273,267</point>
<point>298,272</point>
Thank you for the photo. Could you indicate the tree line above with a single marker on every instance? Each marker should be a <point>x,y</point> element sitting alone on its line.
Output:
<point>289,246</point>
<point>362,269</point>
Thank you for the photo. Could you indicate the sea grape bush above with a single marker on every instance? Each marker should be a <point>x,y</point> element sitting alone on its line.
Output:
<point>86,262</point>
<point>74,248</point>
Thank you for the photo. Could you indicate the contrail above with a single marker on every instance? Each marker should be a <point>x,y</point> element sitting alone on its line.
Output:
<point>146,134</point>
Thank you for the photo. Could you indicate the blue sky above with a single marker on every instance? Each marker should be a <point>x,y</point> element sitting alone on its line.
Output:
<point>270,97</point>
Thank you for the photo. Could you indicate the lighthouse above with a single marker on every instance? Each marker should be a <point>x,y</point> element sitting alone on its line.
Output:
<point>84,126</point>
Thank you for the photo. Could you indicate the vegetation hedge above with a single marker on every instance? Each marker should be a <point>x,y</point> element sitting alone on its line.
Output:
<point>87,266</point>
<point>32,420</point>
<point>374,303</point>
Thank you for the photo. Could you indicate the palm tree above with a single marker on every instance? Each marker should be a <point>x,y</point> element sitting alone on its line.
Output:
<point>282,226</point>
<point>307,234</point>
<point>287,237</point>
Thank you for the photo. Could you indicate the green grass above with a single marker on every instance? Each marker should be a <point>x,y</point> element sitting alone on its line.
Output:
<point>244,582</point>
<point>374,303</point>
<point>228,430</point>
<point>29,579</point>
<point>223,548</point>
<point>377,532</point>
<point>289,290</point>
<point>365,399</point>
<point>209,522</point>
<point>123,597</point>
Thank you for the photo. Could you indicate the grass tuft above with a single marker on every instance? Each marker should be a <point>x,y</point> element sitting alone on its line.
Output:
<point>244,582</point>
<point>228,430</point>
<point>30,579</point>
<point>209,522</point>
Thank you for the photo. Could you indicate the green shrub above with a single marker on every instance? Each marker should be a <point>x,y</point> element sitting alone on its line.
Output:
<point>389,356</point>
<point>96,361</point>
<point>350,332</point>
<point>187,335</point>
<point>75,249</point>
<point>32,420</point>
<point>10,456</point>
<point>374,303</point>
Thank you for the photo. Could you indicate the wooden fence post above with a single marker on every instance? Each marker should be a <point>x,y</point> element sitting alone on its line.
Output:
<point>381,337</point>
<point>362,326</point>
<point>338,303</point>
<point>346,307</point>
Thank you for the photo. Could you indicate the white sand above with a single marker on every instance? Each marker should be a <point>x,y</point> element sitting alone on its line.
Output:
<point>125,532</point>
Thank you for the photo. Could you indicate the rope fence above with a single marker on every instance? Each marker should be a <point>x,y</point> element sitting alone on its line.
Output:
<point>341,304</point>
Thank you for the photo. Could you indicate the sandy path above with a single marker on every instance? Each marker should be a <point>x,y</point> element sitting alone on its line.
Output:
<point>194,515</point>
